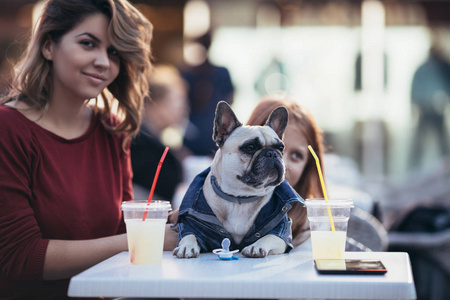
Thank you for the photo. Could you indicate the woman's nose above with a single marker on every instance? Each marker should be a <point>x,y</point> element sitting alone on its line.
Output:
<point>102,59</point>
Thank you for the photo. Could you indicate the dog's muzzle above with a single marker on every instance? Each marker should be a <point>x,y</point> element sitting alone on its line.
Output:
<point>267,169</point>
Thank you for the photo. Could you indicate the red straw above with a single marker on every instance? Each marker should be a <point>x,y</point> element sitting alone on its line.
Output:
<point>154,181</point>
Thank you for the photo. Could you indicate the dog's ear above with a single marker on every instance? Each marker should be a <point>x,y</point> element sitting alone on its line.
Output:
<point>278,120</point>
<point>225,122</point>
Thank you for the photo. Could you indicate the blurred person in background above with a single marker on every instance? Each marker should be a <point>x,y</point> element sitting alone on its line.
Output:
<point>208,84</point>
<point>165,115</point>
<point>65,164</point>
<point>430,96</point>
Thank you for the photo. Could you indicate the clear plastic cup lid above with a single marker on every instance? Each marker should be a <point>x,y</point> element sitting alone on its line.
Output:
<point>334,202</point>
<point>142,204</point>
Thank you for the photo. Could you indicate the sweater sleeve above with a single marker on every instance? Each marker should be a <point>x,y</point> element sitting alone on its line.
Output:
<point>127,175</point>
<point>127,190</point>
<point>22,248</point>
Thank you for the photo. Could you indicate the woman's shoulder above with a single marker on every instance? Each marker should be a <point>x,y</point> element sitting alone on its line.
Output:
<point>11,118</point>
<point>6,111</point>
<point>15,129</point>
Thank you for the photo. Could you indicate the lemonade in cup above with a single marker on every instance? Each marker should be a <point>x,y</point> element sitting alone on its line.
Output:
<point>145,235</point>
<point>328,242</point>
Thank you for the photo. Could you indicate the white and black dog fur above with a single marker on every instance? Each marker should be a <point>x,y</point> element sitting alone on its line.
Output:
<point>247,165</point>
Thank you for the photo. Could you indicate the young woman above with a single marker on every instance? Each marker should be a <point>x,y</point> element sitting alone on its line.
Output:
<point>65,165</point>
<point>301,170</point>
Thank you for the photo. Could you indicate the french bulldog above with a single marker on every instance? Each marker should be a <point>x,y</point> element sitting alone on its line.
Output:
<point>243,195</point>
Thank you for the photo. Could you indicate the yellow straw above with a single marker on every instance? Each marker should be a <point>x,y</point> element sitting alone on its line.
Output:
<point>323,186</point>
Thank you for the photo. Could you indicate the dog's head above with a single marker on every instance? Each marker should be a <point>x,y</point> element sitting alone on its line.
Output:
<point>249,160</point>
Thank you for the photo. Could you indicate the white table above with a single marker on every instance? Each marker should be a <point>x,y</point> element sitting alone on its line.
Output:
<point>286,276</point>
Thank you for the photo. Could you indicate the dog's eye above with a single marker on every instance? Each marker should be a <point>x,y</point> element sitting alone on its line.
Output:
<point>280,147</point>
<point>250,148</point>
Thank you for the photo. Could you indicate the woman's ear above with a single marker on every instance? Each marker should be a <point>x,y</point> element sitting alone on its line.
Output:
<point>47,49</point>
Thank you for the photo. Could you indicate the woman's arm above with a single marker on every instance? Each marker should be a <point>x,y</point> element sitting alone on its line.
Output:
<point>64,259</point>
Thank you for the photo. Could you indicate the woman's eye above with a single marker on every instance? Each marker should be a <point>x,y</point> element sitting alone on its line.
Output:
<point>87,44</point>
<point>297,155</point>
<point>112,51</point>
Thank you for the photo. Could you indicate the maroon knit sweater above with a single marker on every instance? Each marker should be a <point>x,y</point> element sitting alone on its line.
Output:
<point>54,188</point>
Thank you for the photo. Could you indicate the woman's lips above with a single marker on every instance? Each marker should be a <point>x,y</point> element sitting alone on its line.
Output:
<point>95,78</point>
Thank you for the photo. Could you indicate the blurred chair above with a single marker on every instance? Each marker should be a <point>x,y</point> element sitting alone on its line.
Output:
<point>365,229</point>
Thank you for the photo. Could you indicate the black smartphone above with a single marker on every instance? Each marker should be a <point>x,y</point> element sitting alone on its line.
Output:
<point>350,266</point>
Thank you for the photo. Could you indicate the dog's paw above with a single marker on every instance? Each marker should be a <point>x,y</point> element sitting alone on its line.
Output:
<point>188,248</point>
<point>254,251</point>
<point>269,244</point>
<point>186,252</point>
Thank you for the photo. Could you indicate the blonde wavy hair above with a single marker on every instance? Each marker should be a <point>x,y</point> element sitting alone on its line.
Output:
<point>130,34</point>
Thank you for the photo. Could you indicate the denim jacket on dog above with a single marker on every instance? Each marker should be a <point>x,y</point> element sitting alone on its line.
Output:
<point>196,217</point>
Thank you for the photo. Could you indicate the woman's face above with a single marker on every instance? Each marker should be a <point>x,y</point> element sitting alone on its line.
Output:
<point>84,62</point>
<point>295,153</point>
<point>174,106</point>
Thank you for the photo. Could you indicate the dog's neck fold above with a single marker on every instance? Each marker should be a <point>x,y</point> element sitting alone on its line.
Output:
<point>231,198</point>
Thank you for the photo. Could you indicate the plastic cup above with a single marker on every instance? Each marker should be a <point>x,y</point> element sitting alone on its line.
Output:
<point>327,244</point>
<point>145,238</point>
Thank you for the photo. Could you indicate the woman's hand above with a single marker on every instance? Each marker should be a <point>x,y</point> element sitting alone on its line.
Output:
<point>170,238</point>
<point>173,216</point>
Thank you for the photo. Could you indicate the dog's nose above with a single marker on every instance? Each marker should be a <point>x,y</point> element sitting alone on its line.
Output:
<point>270,153</point>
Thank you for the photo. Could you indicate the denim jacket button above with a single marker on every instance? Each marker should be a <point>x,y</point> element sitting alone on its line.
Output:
<point>284,209</point>
<point>222,230</point>
<point>258,234</point>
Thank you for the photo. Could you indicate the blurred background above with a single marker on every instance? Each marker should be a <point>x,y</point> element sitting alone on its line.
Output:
<point>375,75</point>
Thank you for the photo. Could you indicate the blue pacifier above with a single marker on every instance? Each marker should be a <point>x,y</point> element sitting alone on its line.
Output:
<point>225,252</point>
